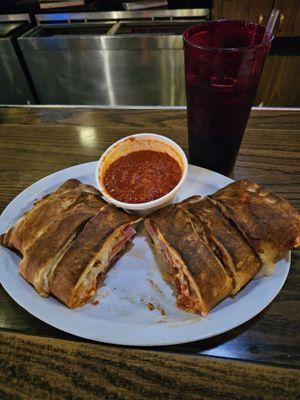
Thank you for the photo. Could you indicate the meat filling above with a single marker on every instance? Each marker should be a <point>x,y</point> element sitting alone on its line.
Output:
<point>187,298</point>
<point>108,254</point>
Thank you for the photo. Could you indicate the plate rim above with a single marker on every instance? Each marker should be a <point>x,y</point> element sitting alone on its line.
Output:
<point>127,341</point>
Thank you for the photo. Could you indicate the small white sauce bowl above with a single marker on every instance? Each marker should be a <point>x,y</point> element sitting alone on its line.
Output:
<point>141,141</point>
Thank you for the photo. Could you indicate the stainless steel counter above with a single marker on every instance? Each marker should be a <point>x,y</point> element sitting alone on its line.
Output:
<point>128,58</point>
<point>15,88</point>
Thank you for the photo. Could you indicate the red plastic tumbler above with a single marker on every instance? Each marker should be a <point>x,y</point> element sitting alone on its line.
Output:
<point>223,64</point>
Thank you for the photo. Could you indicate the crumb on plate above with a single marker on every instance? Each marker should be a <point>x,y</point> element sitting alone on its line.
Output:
<point>150,306</point>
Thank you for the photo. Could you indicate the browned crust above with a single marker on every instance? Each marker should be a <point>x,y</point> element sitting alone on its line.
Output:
<point>84,249</point>
<point>239,258</point>
<point>45,211</point>
<point>176,226</point>
<point>189,200</point>
<point>45,248</point>
<point>269,223</point>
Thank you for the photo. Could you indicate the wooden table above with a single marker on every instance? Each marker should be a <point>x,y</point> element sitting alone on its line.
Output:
<point>259,359</point>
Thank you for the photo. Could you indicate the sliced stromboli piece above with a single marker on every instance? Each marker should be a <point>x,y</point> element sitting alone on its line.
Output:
<point>82,268</point>
<point>200,279</point>
<point>269,223</point>
<point>225,239</point>
<point>46,211</point>
<point>43,254</point>
<point>189,200</point>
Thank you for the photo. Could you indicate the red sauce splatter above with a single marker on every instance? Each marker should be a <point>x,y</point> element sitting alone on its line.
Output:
<point>244,197</point>
<point>142,176</point>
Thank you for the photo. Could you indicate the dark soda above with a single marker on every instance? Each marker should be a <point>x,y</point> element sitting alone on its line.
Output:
<point>217,120</point>
<point>223,63</point>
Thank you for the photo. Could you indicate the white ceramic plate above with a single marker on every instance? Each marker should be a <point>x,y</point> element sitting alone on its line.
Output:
<point>122,316</point>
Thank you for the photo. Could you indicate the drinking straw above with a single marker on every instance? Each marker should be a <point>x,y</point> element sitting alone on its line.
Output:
<point>271,23</point>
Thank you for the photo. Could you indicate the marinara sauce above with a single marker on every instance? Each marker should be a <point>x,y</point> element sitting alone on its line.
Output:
<point>142,176</point>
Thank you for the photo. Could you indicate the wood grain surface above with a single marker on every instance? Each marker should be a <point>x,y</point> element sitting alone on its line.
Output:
<point>57,369</point>
<point>290,18</point>
<point>35,142</point>
<point>275,88</point>
<point>247,10</point>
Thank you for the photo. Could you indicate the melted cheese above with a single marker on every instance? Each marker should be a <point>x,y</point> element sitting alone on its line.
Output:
<point>41,280</point>
<point>114,244</point>
<point>188,296</point>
